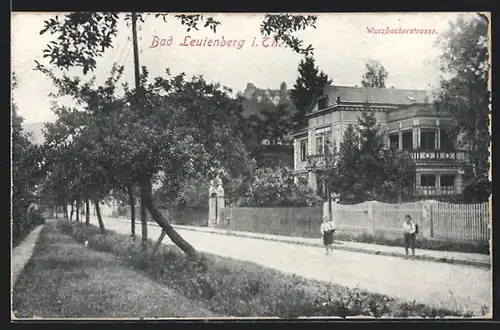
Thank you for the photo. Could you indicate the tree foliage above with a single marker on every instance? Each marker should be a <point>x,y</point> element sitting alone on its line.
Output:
<point>464,87</point>
<point>282,27</point>
<point>188,128</point>
<point>273,187</point>
<point>175,130</point>
<point>348,183</point>
<point>84,36</point>
<point>308,86</point>
<point>370,151</point>
<point>27,172</point>
<point>375,75</point>
<point>391,172</point>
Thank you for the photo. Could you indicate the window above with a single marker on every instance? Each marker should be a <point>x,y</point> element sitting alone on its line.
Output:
<point>321,186</point>
<point>428,140</point>
<point>322,142</point>
<point>324,130</point>
<point>447,180</point>
<point>303,149</point>
<point>323,136</point>
<point>322,103</point>
<point>446,141</point>
<point>319,145</point>
<point>408,140</point>
<point>428,181</point>
<point>394,141</point>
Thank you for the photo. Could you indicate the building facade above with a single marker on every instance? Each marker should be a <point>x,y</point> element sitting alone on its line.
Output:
<point>410,121</point>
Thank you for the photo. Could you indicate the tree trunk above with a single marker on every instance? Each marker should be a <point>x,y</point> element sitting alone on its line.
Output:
<point>99,216</point>
<point>77,211</point>
<point>131,201</point>
<point>158,242</point>
<point>329,198</point>
<point>144,226</point>
<point>400,189</point>
<point>71,213</point>
<point>147,198</point>
<point>87,211</point>
<point>65,211</point>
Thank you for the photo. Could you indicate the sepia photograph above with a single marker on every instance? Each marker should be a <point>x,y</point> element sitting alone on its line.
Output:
<point>214,166</point>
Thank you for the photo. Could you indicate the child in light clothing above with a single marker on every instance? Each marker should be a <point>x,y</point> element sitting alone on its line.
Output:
<point>409,232</point>
<point>327,229</point>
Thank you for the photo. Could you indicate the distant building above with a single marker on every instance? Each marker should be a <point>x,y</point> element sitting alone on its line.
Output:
<point>411,122</point>
<point>270,154</point>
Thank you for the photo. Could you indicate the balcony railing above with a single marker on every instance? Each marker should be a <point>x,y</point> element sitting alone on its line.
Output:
<point>433,191</point>
<point>439,155</point>
<point>316,161</point>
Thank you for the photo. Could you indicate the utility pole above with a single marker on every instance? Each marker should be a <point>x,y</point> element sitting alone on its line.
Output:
<point>330,213</point>
<point>139,99</point>
<point>137,73</point>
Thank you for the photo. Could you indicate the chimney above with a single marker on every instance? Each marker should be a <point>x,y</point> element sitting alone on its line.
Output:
<point>338,99</point>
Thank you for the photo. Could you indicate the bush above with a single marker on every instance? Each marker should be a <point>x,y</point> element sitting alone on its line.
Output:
<point>272,187</point>
<point>420,243</point>
<point>243,289</point>
<point>24,224</point>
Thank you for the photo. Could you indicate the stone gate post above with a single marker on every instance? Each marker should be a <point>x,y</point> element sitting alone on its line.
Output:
<point>212,204</point>
<point>221,202</point>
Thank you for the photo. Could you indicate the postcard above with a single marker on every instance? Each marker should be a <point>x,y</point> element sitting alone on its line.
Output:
<point>250,166</point>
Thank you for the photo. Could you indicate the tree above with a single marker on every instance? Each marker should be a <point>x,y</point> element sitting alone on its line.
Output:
<point>329,171</point>
<point>76,48</point>
<point>77,141</point>
<point>83,36</point>
<point>277,124</point>
<point>26,171</point>
<point>283,92</point>
<point>464,88</point>
<point>371,144</point>
<point>308,86</point>
<point>272,187</point>
<point>398,174</point>
<point>375,75</point>
<point>350,177</point>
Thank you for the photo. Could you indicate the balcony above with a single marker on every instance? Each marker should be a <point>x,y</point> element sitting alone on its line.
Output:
<point>439,155</point>
<point>315,161</point>
<point>436,191</point>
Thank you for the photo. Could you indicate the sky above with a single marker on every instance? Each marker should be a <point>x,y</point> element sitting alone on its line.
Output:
<point>342,42</point>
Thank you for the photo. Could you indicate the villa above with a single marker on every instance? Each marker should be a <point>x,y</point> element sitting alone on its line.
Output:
<point>410,121</point>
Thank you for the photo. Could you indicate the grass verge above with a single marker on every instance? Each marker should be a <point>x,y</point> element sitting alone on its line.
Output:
<point>381,239</point>
<point>243,289</point>
<point>420,243</point>
<point>64,279</point>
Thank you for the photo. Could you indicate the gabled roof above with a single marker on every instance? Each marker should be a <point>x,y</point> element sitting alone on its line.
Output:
<point>372,95</point>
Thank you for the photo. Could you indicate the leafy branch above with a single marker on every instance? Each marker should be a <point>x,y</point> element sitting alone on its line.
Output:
<point>282,26</point>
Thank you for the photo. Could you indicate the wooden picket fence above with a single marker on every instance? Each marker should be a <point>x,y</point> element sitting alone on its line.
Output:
<point>469,222</point>
<point>436,220</point>
<point>293,221</point>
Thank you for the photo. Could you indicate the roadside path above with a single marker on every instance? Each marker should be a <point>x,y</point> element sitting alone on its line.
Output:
<point>440,285</point>
<point>22,253</point>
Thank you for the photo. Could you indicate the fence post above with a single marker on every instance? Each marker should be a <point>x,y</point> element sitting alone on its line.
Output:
<point>427,221</point>
<point>370,217</point>
<point>309,231</point>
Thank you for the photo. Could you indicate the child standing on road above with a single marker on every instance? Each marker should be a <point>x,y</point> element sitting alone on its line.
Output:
<point>327,229</point>
<point>409,232</point>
